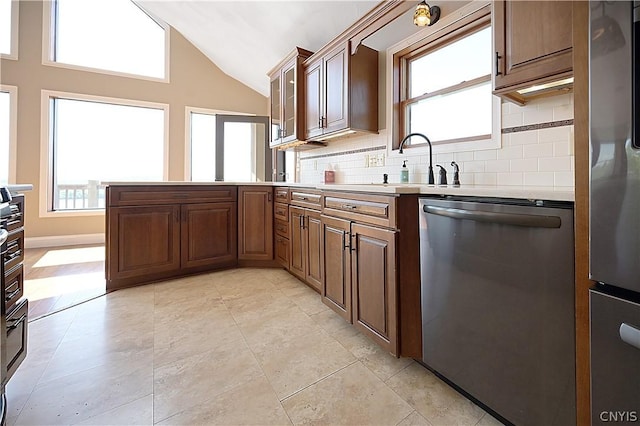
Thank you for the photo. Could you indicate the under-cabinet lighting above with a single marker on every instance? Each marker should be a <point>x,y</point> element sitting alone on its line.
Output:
<point>346,132</point>
<point>560,84</point>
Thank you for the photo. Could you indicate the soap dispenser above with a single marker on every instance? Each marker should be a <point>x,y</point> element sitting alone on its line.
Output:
<point>404,173</point>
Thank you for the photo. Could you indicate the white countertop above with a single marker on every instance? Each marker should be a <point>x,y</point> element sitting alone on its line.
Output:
<point>523,192</point>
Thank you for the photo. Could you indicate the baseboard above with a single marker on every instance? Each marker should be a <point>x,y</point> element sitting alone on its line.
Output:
<point>63,240</point>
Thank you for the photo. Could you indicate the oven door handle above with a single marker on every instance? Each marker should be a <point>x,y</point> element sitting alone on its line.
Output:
<point>629,334</point>
<point>528,220</point>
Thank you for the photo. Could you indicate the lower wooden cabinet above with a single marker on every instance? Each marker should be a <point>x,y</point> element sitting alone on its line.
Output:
<point>156,232</point>
<point>282,251</point>
<point>142,241</point>
<point>207,235</point>
<point>306,250</point>
<point>255,231</point>
<point>336,292</point>
<point>373,262</point>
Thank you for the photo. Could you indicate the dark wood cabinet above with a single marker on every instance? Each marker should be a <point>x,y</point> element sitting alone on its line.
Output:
<point>157,232</point>
<point>281,215</point>
<point>341,92</point>
<point>255,224</point>
<point>366,281</point>
<point>528,50</point>
<point>207,237</point>
<point>143,241</point>
<point>282,251</point>
<point>286,99</point>
<point>374,284</point>
<point>336,293</point>
<point>305,236</point>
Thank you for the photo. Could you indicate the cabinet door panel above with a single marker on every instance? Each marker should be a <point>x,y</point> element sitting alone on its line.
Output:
<point>313,99</point>
<point>335,79</point>
<point>532,49</point>
<point>282,251</point>
<point>208,234</point>
<point>144,240</point>
<point>255,232</point>
<point>297,242</point>
<point>275,106</point>
<point>315,252</point>
<point>374,284</point>
<point>336,291</point>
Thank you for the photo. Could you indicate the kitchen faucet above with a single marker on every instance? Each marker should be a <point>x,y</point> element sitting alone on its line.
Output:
<point>431,178</point>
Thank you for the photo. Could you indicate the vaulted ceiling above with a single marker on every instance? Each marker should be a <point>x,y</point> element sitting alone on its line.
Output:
<point>246,39</point>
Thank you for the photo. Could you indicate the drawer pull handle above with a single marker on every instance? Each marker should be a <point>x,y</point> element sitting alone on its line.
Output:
<point>11,295</point>
<point>15,323</point>
<point>349,207</point>
<point>303,198</point>
<point>629,334</point>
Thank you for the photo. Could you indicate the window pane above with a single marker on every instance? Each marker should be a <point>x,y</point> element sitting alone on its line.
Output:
<point>203,147</point>
<point>463,60</point>
<point>244,151</point>
<point>5,112</point>
<point>116,37</point>
<point>95,142</point>
<point>5,26</point>
<point>460,114</point>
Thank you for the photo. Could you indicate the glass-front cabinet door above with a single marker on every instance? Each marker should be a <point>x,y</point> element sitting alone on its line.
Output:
<point>275,100</point>
<point>289,102</point>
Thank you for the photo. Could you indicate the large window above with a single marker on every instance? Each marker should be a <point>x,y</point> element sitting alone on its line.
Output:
<point>9,28</point>
<point>444,85</point>
<point>97,141</point>
<point>114,36</point>
<point>8,104</point>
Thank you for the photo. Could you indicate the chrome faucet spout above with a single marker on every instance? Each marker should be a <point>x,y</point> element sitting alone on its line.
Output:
<point>406,138</point>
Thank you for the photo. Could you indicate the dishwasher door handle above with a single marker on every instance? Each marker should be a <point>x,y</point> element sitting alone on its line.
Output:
<point>629,334</point>
<point>528,220</point>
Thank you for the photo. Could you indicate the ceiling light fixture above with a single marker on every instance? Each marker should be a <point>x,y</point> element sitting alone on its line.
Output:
<point>426,15</point>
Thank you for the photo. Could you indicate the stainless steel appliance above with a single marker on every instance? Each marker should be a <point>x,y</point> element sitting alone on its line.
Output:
<point>614,68</point>
<point>498,303</point>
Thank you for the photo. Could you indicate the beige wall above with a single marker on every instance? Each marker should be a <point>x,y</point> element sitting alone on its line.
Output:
<point>195,81</point>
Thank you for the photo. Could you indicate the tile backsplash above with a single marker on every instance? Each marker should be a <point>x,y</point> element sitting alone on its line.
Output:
<point>537,150</point>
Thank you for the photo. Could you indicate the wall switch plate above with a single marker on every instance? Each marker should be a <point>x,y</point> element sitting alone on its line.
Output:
<point>315,164</point>
<point>380,160</point>
<point>366,160</point>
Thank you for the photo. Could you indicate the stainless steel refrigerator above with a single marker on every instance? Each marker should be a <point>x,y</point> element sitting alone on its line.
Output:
<point>615,211</point>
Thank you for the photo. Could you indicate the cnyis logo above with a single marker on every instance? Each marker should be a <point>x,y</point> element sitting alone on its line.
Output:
<point>618,416</point>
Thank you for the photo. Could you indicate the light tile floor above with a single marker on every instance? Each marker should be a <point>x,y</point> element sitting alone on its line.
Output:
<point>244,346</point>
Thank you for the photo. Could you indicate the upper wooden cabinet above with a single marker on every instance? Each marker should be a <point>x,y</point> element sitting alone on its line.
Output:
<point>286,99</point>
<point>533,45</point>
<point>341,92</point>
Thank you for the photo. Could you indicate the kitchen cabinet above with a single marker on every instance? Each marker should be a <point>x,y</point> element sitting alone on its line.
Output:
<point>159,232</point>
<point>366,280</point>
<point>281,215</point>
<point>255,224</point>
<point>341,92</point>
<point>533,45</point>
<point>306,254</point>
<point>286,99</point>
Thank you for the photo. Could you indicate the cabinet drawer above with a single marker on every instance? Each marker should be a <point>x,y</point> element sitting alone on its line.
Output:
<point>15,250</point>
<point>373,209</point>
<point>282,251</point>
<point>14,286</point>
<point>281,211</point>
<point>282,195</point>
<point>169,194</point>
<point>16,337</point>
<point>282,228</point>
<point>306,198</point>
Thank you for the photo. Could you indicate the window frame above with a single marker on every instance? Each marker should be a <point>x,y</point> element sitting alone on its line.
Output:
<point>48,47</point>
<point>469,19</point>
<point>47,152</point>
<point>15,21</point>
<point>13,130</point>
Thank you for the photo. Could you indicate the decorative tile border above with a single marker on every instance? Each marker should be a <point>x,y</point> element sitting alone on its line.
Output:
<point>336,154</point>
<point>538,126</point>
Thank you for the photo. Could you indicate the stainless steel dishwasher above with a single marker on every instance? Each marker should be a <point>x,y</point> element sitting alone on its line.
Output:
<point>498,303</point>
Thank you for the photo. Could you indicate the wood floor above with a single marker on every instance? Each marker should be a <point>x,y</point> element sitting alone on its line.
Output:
<point>60,277</point>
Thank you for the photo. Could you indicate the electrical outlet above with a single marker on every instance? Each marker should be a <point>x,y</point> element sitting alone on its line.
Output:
<point>380,160</point>
<point>366,160</point>
<point>373,161</point>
